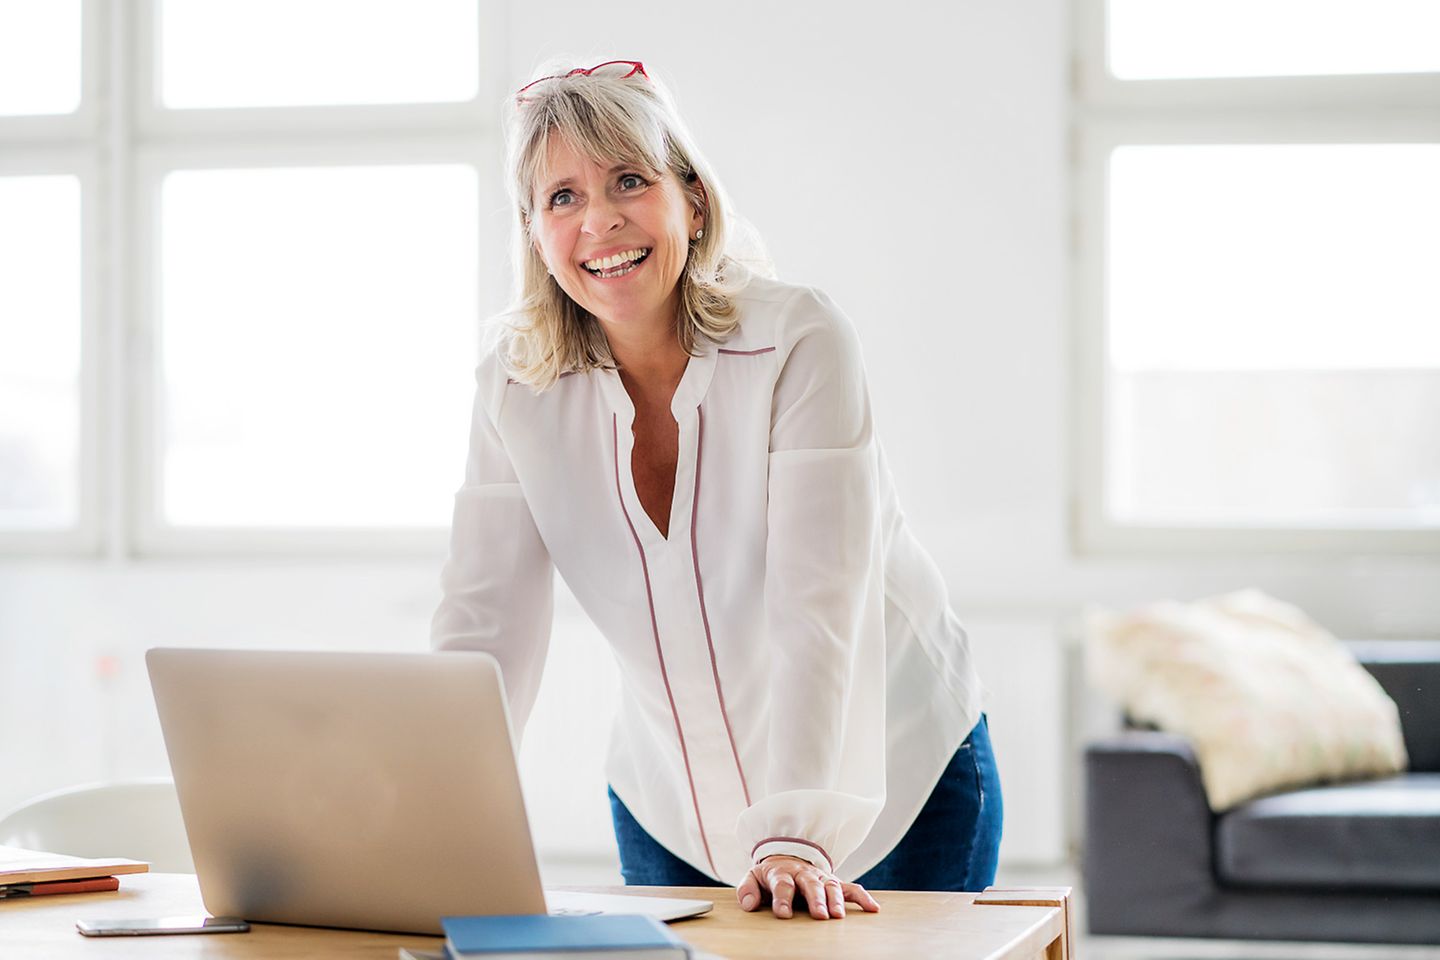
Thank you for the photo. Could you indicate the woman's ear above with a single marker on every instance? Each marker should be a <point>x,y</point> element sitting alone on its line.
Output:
<point>535,247</point>
<point>699,200</point>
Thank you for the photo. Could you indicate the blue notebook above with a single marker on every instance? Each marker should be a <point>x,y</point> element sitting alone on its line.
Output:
<point>537,936</point>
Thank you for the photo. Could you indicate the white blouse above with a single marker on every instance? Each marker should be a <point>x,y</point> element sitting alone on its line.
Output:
<point>793,678</point>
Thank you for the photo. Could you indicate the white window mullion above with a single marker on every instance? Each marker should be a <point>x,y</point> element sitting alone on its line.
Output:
<point>115,462</point>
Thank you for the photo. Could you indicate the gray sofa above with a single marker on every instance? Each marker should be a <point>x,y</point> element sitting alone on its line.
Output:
<point>1353,862</point>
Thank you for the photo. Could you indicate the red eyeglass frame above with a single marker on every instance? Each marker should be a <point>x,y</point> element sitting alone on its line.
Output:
<point>635,67</point>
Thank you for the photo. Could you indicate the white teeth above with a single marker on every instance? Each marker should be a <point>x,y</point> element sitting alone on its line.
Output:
<point>610,262</point>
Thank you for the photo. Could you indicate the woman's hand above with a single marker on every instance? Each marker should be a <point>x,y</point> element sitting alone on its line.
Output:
<point>782,877</point>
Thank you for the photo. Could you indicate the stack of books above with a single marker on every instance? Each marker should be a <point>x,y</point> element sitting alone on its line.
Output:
<point>538,937</point>
<point>33,873</point>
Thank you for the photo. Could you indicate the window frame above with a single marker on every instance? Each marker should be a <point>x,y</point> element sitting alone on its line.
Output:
<point>1107,113</point>
<point>122,142</point>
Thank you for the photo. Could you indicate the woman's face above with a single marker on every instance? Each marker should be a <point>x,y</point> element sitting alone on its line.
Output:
<point>615,236</point>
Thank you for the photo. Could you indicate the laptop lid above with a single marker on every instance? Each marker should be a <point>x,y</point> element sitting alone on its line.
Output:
<point>374,791</point>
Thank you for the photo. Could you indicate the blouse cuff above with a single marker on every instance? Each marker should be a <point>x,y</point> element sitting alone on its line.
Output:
<point>792,847</point>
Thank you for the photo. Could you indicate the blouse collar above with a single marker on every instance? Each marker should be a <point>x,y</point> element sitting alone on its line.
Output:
<point>694,384</point>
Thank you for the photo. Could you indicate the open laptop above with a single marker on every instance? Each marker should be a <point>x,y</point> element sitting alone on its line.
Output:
<point>375,791</point>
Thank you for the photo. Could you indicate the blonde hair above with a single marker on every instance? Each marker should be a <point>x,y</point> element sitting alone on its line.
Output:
<point>609,118</point>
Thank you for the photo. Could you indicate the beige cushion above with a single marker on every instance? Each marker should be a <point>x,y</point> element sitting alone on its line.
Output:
<point>1267,697</point>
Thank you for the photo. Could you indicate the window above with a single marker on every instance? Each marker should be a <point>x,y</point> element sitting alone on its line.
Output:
<point>247,246</point>
<point>1258,318</point>
<point>40,367</point>
<point>40,55</point>
<point>309,398</point>
<point>317,52</point>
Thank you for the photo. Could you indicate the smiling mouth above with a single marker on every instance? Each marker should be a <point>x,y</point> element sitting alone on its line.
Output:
<point>618,265</point>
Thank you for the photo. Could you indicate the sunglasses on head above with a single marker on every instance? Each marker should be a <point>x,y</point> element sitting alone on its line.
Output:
<point>618,69</point>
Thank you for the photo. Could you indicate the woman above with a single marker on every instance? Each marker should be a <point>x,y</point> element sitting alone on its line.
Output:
<point>690,445</point>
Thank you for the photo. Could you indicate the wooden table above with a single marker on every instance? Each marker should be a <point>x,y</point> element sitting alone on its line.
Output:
<point>996,925</point>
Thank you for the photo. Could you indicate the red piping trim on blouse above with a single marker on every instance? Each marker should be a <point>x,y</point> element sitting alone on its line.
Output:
<point>655,628</point>
<point>746,353</point>
<point>800,840</point>
<point>704,614</point>
<point>567,373</point>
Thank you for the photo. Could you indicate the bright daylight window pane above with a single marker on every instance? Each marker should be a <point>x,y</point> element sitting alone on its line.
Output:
<point>1274,334</point>
<point>1153,39</point>
<point>263,53</point>
<point>319,338</point>
<point>39,56</point>
<point>40,363</point>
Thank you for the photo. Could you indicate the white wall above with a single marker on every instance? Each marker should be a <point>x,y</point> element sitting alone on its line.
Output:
<point>910,159</point>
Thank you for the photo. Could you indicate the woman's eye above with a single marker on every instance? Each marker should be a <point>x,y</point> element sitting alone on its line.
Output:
<point>631,181</point>
<point>561,198</point>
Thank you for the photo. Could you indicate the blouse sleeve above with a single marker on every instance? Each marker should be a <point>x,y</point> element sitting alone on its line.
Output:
<point>824,600</point>
<point>498,580</point>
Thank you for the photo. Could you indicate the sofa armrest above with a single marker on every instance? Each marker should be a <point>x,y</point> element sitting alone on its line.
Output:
<point>1148,832</point>
<point>1409,670</point>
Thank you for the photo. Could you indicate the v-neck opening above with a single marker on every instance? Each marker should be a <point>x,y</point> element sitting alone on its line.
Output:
<point>680,492</point>
<point>684,406</point>
<point>674,478</point>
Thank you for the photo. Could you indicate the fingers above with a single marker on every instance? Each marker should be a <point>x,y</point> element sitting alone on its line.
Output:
<point>814,888</point>
<point>748,893</point>
<point>782,889</point>
<point>859,895</point>
<point>825,895</point>
<point>834,898</point>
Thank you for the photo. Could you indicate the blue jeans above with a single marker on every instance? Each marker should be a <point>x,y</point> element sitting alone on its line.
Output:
<point>952,845</point>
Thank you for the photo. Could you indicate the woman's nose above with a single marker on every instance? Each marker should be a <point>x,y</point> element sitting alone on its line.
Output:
<point>601,216</point>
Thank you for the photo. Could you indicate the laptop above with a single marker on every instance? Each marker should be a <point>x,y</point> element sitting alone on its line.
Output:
<point>373,791</point>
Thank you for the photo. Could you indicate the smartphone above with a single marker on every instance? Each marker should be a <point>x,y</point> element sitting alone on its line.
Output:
<point>160,925</point>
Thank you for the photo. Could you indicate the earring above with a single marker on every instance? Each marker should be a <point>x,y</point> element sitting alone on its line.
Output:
<point>699,234</point>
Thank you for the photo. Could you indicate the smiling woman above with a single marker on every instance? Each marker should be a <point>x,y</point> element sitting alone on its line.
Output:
<point>610,150</point>
<point>595,227</point>
<point>690,445</point>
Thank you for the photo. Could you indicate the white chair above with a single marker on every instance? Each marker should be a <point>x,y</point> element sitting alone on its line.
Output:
<point>135,819</point>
